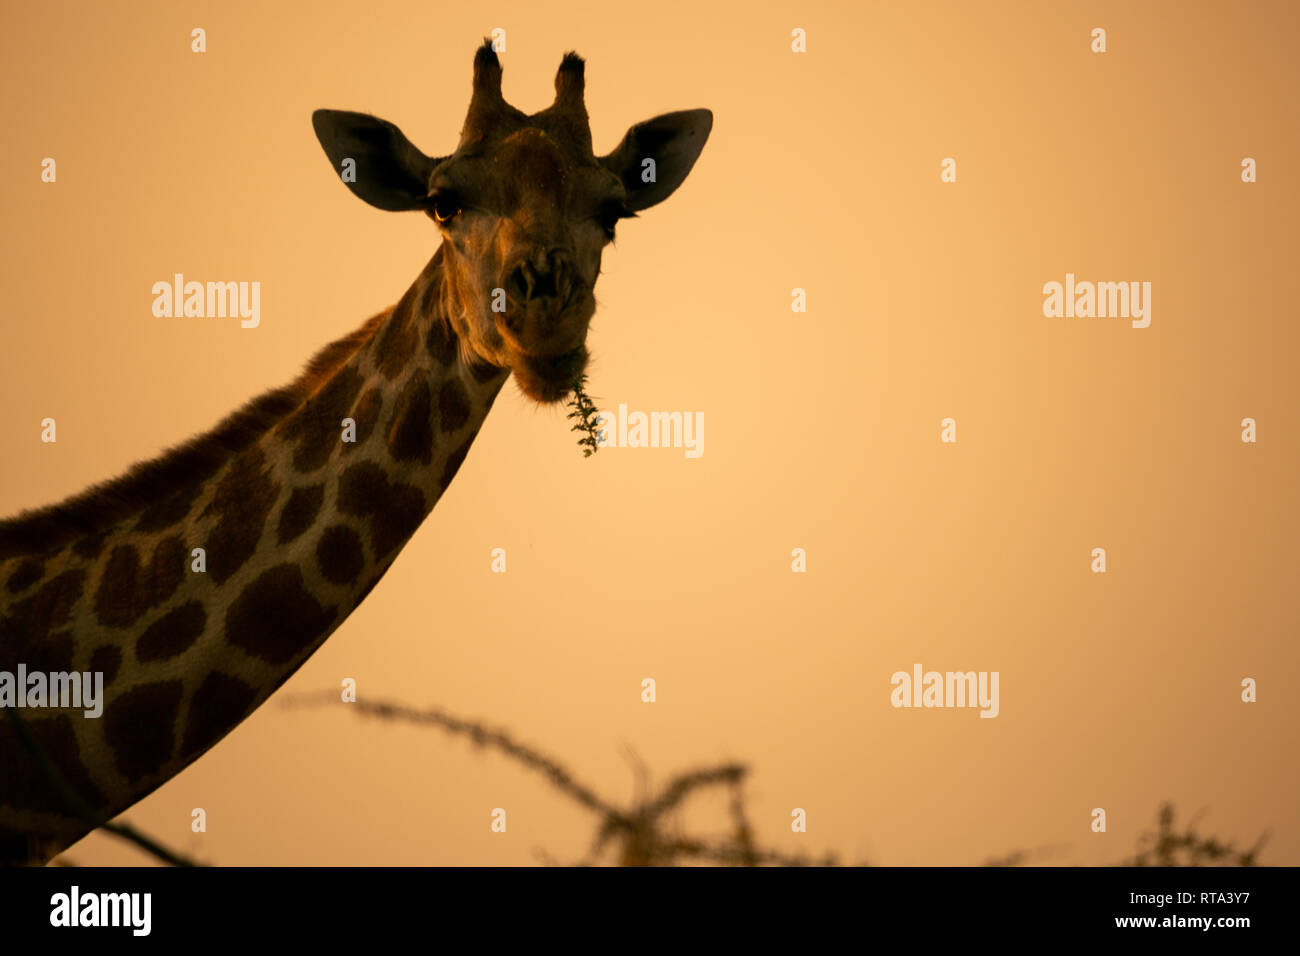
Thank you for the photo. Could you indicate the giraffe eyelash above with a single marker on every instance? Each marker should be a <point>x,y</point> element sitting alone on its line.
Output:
<point>611,213</point>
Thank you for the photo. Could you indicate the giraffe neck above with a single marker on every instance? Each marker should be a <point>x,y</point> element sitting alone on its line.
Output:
<point>295,529</point>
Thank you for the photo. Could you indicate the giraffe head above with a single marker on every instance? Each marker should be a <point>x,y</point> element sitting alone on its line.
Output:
<point>525,209</point>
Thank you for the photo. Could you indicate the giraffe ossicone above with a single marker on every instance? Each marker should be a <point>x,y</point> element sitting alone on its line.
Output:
<point>296,525</point>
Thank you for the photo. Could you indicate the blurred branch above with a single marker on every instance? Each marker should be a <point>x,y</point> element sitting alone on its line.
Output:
<point>559,776</point>
<point>1021,857</point>
<point>641,833</point>
<point>1167,847</point>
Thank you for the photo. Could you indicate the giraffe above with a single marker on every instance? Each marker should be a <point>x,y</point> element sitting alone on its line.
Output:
<point>296,523</point>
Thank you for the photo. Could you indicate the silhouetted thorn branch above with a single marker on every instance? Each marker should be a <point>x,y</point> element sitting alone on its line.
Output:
<point>1164,846</point>
<point>481,735</point>
<point>641,833</point>
<point>644,833</point>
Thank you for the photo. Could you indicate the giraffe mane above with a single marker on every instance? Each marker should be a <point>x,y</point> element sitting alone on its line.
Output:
<point>106,504</point>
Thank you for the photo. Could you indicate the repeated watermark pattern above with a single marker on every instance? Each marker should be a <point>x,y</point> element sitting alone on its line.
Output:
<point>60,690</point>
<point>220,567</point>
<point>624,429</point>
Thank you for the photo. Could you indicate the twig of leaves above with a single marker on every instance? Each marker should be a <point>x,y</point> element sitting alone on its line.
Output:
<point>1168,847</point>
<point>585,411</point>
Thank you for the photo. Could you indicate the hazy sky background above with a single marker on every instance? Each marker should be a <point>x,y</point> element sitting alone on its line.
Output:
<point>925,299</point>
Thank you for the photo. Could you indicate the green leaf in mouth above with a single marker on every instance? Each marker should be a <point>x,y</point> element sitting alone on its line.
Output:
<point>585,411</point>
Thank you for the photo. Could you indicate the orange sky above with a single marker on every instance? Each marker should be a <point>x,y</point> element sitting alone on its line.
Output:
<point>924,302</point>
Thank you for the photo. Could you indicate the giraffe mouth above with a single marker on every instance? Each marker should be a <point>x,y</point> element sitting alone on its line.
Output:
<point>548,380</point>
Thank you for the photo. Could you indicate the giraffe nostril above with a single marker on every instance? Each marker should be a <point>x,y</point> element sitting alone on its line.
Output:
<point>561,274</point>
<point>549,276</point>
<point>544,285</point>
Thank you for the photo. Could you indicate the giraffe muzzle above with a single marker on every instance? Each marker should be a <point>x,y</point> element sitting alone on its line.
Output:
<point>544,326</point>
<point>548,380</point>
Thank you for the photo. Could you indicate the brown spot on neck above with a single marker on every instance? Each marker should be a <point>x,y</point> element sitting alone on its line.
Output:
<point>483,373</point>
<point>442,342</point>
<point>394,510</point>
<point>339,554</point>
<point>106,659</point>
<point>299,512</point>
<point>169,511</point>
<point>399,338</point>
<point>453,405</point>
<point>139,726</point>
<point>173,633</point>
<point>366,416</point>
<point>317,427</point>
<point>219,704</point>
<point>455,460</point>
<point>36,617</point>
<point>275,617</point>
<point>25,575</point>
<point>410,437</point>
<point>127,590</point>
<point>242,503</point>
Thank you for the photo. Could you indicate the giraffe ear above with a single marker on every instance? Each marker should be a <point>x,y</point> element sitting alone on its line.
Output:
<point>382,166</point>
<point>673,141</point>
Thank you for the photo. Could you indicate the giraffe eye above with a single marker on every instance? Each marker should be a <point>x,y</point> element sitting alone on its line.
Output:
<point>610,214</point>
<point>445,207</point>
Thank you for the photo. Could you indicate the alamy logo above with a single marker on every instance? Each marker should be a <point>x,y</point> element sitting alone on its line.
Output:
<point>1102,300</point>
<point>651,430</point>
<point>59,689</point>
<point>214,300</point>
<point>950,689</point>
<point>102,909</point>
